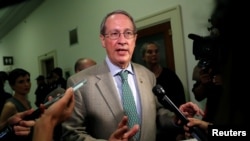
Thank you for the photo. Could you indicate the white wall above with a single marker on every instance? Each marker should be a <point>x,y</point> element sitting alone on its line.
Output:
<point>47,28</point>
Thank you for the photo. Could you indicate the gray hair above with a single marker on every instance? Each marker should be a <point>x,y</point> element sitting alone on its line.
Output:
<point>144,47</point>
<point>102,26</point>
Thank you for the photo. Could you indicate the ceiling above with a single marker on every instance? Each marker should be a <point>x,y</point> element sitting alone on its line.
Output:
<point>12,12</point>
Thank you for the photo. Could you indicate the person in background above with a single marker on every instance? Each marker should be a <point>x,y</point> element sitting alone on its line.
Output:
<point>231,111</point>
<point>19,81</point>
<point>166,78</point>
<point>3,94</point>
<point>83,63</point>
<point>58,83</point>
<point>41,91</point>
<point>98,113</point>
<point>208,86</point>
<point>232,106</point>
<point>58,79</point>
<point>50,82</point>
<point>207,73</point>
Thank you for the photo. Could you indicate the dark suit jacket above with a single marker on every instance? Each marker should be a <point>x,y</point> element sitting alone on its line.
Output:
<point>98,109</point>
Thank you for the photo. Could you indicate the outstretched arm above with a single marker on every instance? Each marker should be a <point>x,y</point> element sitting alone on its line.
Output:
<point>55,114</point>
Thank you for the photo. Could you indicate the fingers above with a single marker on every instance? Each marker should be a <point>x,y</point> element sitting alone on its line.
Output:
<point>131,132</point>
<point>15,119</point>
<point>63,108</point>
<point>21,130</point>
<point>68,98</point>
<point>29,123</point>
<point>123,122</point>
<point>119,133</point>
<point>25,113</point>
<point>190,109</point>
<point>201,112</point>
<point>123,133</point>
<point>68,95</point>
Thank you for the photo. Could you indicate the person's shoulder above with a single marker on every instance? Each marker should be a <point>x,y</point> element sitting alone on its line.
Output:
<point>88,72</point>
<point>9,104</point>
<point>139,66</point>
<point>142,69</point>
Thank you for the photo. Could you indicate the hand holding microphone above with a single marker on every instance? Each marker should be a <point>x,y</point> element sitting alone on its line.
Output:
<point>164,100</point>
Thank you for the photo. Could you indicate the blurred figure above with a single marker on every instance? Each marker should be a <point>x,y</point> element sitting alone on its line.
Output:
<point>234,99</point>
<point>232,108</point>
<point>57,83</point>
<point>167,79</point>
<point>41,91</point>
<point>3,94</point>
<point>83,63</point>
<point>164,76</point>
<point>58,80</point>
<point>50,82</point>
<point>19,80</point>
<point>208,86</point>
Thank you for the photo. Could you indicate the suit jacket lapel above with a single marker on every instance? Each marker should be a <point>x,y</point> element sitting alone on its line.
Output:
<point>147,98</point>
<point>109,92</point>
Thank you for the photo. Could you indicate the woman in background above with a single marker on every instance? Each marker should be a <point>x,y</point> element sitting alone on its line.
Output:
<point>164,76</point>
<point>167,79</point>
<point>19,80</point>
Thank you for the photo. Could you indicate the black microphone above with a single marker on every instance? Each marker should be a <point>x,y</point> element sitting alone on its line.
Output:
<point>163,99</point>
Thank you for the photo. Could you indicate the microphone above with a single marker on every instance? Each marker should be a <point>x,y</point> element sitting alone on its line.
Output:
<point>164,100</point>
<point>36,114</point>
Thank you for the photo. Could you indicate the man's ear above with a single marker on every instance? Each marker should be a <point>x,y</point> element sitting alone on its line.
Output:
<point>102,38</point>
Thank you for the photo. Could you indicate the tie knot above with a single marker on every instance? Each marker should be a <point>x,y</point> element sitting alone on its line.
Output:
<point>124,75</point>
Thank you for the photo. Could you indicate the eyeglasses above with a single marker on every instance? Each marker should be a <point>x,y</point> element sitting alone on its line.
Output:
<point>115,35</point>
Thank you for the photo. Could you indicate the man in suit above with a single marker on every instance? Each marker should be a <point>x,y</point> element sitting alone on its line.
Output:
<point>98,112</point>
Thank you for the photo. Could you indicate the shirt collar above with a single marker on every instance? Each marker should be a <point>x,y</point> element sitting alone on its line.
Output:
<point>115,69</point>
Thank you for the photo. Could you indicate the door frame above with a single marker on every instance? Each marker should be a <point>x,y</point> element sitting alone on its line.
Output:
<point>174,16</point>
<point>43,70</point>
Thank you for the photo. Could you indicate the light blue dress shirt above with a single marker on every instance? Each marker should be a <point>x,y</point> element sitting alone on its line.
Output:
<point>131,80</point>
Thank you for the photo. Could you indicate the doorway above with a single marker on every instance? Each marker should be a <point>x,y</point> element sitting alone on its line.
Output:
<point>47,63</point>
